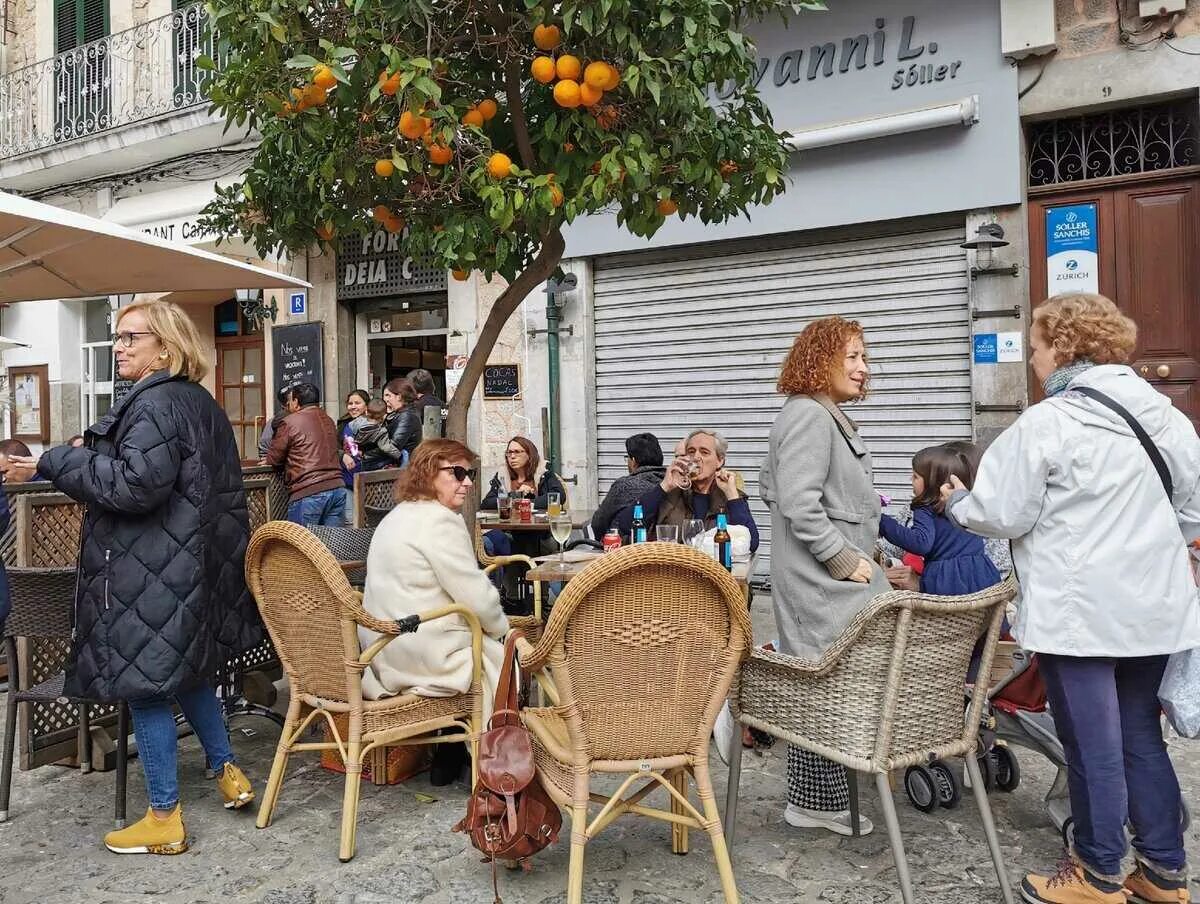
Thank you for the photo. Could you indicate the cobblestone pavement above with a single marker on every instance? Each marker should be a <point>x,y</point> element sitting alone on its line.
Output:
<point>51,851</point>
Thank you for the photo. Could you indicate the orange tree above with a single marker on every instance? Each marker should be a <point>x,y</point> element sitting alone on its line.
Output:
<point>481,127</point>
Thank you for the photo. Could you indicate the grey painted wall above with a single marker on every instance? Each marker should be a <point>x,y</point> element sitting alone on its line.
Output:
<point>946,169</point>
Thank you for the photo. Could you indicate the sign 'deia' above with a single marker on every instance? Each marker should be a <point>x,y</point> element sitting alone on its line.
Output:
<point>862,51</point>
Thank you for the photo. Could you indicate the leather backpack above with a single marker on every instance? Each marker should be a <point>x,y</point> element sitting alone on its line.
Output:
<point>509,815</point>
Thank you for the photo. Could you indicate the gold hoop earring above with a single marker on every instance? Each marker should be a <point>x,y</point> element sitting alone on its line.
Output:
<point>163,356</point>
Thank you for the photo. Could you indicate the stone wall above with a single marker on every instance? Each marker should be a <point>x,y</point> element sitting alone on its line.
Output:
<point>1092,26</point>
<point>21,34</point>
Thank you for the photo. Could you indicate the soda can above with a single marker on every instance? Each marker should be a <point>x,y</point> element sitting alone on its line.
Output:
<point>612,540</point>
<point>525,508</point>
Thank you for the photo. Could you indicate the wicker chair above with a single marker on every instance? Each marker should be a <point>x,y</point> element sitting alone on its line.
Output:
<point>313,615</point>
<point>887,695</point>
<point>638,656</point>
<point>43,606</point>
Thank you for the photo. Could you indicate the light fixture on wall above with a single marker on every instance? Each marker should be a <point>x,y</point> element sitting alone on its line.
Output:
<point>253,308</point>
<point>988,237</point>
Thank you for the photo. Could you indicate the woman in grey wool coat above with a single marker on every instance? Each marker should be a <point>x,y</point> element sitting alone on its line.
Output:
<point>818,483</point>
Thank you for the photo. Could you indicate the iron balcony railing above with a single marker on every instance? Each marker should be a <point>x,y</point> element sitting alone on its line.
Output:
<point>124,78</point>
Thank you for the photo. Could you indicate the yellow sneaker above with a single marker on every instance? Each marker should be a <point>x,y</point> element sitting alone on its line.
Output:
<point>150,835</point>
<point>1145,886</point>
<point>235,787</point>
<point>1071,884</point>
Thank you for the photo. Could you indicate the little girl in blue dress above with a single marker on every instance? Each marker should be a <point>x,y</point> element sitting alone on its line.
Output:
<point>955,561</point>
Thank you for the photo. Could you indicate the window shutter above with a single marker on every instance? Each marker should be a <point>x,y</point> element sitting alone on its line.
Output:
<point>65,37</point>
<point>78,22</point>
<point>95,19</point>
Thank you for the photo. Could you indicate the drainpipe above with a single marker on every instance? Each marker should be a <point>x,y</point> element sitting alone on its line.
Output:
<point>554,290</point>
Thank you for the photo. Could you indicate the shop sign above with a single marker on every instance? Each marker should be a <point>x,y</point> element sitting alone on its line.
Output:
<point>502,381</point>
<point>1072,249</point>
<point>998,348</point>
<point>376,265</point>
<point>298,355</point>
<point>455,366</point>
<point>187,230</point>
<point>902,47</point>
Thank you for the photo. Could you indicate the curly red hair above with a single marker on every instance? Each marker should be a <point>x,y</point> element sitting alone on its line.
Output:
<point>816,355</point>
<point>416,481</point>
<point>1086,326</point>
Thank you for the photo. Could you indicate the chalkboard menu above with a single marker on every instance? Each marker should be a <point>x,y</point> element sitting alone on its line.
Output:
<point>502,381</point>
<point>298,356</point>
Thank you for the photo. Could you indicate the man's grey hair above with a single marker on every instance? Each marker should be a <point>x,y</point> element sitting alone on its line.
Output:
<point>719,441</point>
<point>422,380</point>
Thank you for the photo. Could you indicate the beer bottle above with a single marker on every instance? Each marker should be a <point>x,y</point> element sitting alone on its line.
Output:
<point>724,542</point>
<point>637,532</point>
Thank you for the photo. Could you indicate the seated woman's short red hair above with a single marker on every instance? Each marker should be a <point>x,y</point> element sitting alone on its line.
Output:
<point>416,481</point>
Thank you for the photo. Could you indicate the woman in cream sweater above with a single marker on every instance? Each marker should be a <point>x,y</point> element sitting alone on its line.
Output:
<point>422,558</point>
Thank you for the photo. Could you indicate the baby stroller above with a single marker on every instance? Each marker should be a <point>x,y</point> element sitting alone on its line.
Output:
<point>1016,715</point>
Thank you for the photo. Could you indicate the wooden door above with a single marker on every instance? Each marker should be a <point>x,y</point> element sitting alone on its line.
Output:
<point>1148,233</point>
<point>241,391</point>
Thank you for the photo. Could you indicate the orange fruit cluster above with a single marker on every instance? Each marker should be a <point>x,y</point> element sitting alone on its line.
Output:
<point>575,86</point>
<point>390,221</point>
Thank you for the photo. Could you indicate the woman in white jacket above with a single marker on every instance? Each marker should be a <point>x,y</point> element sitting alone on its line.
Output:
<point>1106,589</point>
<point>422,558</point>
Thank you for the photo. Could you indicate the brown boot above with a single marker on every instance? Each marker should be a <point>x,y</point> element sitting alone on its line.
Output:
<point>1071,884</point>
<point>1146,886</point>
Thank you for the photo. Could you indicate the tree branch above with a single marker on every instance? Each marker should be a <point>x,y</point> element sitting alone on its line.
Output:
<point>512,91</point>
<point>541,267</point>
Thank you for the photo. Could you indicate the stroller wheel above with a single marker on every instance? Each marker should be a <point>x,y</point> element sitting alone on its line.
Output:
<point>921,788</point>
<point>948,787</point>
<point>1006,768</point>
<point>1068,833</point>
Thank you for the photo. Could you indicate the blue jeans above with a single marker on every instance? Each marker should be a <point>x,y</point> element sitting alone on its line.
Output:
<point>154,729</point>
<point>327,507</point>
<point>1106,713</point>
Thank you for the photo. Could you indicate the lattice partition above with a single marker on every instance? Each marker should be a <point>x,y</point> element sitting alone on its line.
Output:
<point>374,490</point>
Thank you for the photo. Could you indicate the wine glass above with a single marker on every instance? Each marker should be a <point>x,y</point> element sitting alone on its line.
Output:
<point>691,530</point>
<point>560,529</point>
<point>685,472</point>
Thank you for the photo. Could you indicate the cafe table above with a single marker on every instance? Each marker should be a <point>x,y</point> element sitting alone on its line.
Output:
<point>548,571</point>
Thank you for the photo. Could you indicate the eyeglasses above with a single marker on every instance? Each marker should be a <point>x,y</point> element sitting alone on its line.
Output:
<point>515,452</point>
<point>461,473</point>
<point>126,338</point>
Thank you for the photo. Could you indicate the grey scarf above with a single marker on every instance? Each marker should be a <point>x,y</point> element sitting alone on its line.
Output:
<point>1061,378</point>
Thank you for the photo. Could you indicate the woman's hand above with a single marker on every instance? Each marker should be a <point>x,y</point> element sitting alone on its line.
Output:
<point>902,578</point>
<point>861,574</point>
<point>727,483</point>
<point>348,461</point>
<point>949,489</point>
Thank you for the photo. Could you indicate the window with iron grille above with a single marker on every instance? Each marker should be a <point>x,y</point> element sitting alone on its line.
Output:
<point>1114,143</point>
<point>82,74</point>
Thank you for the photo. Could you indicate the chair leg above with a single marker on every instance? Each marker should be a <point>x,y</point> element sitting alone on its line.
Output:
<point>679,833</point>
<point>704,791</point>
<point>122,762</point>
<point>852,785</point>
<point>735,777</point>
<point>578,843</point>
<point>10,744</point>
<point>85,738</point>
<point>350,800</point>
<point>893,828</point>
<point>266,809</point>
<point>989,826</point>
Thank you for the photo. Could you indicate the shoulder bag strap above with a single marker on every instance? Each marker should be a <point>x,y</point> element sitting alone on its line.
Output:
<point>505,705</point>
<point>1164,473</point>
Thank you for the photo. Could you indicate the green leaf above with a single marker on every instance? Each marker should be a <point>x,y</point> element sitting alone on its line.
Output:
<point>302,61</point>
<point>206,63</point>
<point>771,175</point>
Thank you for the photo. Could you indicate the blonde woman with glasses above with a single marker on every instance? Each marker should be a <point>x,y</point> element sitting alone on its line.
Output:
<point>162,603</point>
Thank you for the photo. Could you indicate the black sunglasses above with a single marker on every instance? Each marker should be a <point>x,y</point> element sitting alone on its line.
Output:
<point>461,473</point>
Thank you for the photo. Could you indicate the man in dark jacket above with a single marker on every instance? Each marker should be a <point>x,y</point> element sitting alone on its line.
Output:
<point>644,460</point>
<point>305,445</point>
<point>422,381</point>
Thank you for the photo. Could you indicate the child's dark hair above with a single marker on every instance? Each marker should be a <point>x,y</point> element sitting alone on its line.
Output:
<point>376,409</point>
<point>935,464</point>
<point>971,454</point>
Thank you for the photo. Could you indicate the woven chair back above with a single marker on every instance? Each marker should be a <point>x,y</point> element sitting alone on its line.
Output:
<point>299,587</point>
<point>652,636</point>
<point>43,602</point>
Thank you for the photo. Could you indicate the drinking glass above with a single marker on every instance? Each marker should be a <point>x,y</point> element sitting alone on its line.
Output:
<point>504,506</point>
<point>693,529</point>
<point>553,504</point>
<point>691,468</point>
<point>560,529</point>
<point>667,533</point>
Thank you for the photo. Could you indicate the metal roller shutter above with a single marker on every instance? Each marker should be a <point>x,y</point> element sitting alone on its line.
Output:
<point>695,338</point>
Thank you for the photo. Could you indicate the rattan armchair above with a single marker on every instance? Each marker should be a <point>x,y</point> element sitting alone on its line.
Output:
<point>637,657</point>
<point>886,695</point>
<point>313,616</point>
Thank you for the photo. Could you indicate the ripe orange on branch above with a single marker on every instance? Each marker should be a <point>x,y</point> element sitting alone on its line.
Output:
<point>473,117</point>
<point>546,37</point>
<point>499,165</point>
<point>568,66</point>
<point>382,213</point>
<point>666,207</point>
<point>566,94</point>
<point>389,84</point>
<point>384,168</point>
<point>413,126</point>
<point>315,95</point>
<point>323,76</point>
<point>440,154</point>
<point>597,74</point>
<point>461,275</point>
<point>394,225</point>
<point>614,77</point>
<point>488,108</point>
<point>556,196</point>
<point>542,69</point>
<point>589,95</point>
<point>325,232</point>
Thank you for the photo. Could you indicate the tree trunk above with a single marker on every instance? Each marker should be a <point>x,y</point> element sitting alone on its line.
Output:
<point>533,275</point>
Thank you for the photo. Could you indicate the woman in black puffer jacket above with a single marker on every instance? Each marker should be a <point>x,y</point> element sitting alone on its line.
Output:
<point>162,602</point>
<point>403,420</point>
